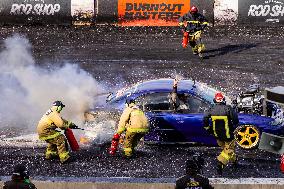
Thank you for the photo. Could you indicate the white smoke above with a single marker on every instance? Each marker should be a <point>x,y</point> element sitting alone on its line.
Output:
<point>27,91</point>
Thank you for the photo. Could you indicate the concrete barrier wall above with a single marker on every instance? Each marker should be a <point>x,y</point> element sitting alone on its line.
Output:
<point>256,12</point>
<point>88,185</point>
<point>82,12</point>
<point>149,12</point>
<point>225,11</point>
<point>94,185</point>
<point>264,12</point>
<point>107,11</point>
<point>35,11</point>
<point>139,12</point>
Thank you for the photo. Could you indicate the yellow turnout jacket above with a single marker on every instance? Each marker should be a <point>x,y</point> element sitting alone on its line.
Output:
<point>133,120</point>
<point>49,122</point>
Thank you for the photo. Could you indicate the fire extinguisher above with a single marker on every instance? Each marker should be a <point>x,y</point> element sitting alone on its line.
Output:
<point>282,164</point>
<point>185,39</point>
<point>71,139</point>
<point>114,144</point>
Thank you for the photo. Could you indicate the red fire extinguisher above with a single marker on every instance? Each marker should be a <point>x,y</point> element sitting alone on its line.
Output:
<point>71,139</point>
<point>114,144</point>
<point>185,39</point>
<point>282,164</point>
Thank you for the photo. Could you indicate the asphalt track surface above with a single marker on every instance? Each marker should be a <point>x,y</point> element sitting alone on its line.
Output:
<point>235,58</point>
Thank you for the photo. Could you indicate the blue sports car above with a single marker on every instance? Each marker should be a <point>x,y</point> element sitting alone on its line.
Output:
<point>169,126</point>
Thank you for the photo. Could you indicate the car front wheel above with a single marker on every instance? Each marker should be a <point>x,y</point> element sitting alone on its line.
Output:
<point>247,136</point>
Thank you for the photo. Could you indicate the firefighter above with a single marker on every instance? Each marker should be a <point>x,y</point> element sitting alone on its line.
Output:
<point>56,142</point>
<point>195,22</point>
<point>223,119</point>
<point>19,179</point>
<point>135,125</point>
<point>178,102</point>
<point>193,179</point>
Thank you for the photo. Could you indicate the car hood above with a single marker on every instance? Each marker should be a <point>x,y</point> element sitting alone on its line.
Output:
<point>265,124</point>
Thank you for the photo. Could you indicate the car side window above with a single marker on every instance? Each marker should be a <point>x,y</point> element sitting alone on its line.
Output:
<point>154,102</point>
<point>197,105</point>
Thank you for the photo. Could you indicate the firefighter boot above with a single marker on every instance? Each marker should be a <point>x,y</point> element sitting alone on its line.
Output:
<point>220,167</point>
<point>195,50</point>
<point>64,157</point>
<point>194,47</point>
<point>51,155</point>
<point>128,153</point>
<point>51,152</point>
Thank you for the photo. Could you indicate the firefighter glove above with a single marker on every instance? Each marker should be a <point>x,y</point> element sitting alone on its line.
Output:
<point>209,129</point>
<point>203,25</point>
<point>181,25</point>
<point>73,126</point>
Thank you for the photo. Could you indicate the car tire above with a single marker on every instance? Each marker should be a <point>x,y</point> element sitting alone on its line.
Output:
<point>247,136</point>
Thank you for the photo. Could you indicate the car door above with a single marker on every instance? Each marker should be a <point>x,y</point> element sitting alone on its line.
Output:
<point>190,121</point>
<point>157,109</point>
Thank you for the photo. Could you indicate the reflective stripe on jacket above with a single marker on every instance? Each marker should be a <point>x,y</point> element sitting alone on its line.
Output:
<point>221,126</point>
<point>194,21</point>
<point>223,120</point>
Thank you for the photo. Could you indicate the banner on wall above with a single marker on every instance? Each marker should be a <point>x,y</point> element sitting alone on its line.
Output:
<point>261,11</point>
<point>38,11</point>
<point>82,12</point>
<point>151,12</point>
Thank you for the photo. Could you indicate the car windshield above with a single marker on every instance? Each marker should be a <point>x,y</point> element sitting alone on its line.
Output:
<point>161,102</point>
<point>154,102</point>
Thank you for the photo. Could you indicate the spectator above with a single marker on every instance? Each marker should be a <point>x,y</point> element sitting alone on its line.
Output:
<point>193,179</point>
<point>20,179</point>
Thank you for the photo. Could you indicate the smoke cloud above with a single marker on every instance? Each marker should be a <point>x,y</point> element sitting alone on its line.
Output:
<point>27,91</point>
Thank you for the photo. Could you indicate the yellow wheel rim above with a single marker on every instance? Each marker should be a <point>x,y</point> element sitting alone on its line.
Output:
<point>247,136</point>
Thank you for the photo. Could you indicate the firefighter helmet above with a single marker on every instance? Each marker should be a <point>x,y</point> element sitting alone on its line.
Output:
<point>219,97</point>
<point>194,10</point>
<point>59,105</point>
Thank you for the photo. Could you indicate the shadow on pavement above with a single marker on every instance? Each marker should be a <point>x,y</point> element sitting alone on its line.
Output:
<point>228,49</point>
